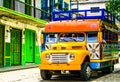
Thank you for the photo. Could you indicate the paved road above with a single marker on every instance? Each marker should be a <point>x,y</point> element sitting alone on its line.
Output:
<point>32,75</point>
<point>26,75</point>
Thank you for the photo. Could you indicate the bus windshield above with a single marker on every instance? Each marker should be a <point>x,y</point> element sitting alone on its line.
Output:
<point>51,38</point>
<point>71,37</point>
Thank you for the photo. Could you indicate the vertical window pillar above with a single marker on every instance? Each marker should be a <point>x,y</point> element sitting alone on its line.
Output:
<point>28,7</point>
<point>34,4</point>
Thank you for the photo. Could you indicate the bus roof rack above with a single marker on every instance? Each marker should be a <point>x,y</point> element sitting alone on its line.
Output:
<point>84,14</point>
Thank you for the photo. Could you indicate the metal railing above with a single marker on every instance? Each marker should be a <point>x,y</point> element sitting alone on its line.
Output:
<point>84,14</point>
<point>29,9</point>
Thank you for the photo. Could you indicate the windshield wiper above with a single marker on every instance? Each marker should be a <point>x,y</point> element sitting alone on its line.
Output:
<point>74,40</point>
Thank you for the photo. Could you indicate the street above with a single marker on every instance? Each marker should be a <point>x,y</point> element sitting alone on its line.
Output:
<point>32,75</point>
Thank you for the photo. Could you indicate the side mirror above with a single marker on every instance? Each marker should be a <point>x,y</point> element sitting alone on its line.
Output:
<point>41,38</point>
<point>100,37</point>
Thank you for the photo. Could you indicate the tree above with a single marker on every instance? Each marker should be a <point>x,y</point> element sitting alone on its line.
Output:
<point>114,7</point>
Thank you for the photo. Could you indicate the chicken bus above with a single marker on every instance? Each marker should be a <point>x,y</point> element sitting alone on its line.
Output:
<point>79,42</point>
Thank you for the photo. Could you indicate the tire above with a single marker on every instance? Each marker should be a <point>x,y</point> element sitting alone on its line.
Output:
<point>45,74</point>
<point>86,71</point>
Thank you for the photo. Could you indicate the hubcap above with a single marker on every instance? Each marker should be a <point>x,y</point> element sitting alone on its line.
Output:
<point>88,71</point>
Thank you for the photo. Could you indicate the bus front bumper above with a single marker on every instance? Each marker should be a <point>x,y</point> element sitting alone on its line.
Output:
<point>59,67</point>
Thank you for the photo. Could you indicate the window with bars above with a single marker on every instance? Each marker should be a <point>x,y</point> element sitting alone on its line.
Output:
<point>29,7</point>
<point>110,36</point>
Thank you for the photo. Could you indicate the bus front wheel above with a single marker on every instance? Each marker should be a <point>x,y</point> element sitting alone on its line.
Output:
<point>86,71</point>
<point>45,74</point>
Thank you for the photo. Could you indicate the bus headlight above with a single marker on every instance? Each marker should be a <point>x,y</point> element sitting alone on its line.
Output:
<point>72,56</point>
<point>47,57</point>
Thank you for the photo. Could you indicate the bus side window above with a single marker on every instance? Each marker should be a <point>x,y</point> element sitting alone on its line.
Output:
<point>109,36</point>
<point>92,37</point>
<point>104,36</point>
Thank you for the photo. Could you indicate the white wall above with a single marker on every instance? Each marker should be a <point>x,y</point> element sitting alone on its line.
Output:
<point>38,3</point>
<point>88,6</point>
<point>1,2</point>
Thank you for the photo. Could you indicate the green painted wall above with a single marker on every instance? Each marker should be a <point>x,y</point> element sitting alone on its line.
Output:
<point>37,54</point>
<point>7,49</point>
<point>23,58</point>
<point>23,50</point>
<point>1,45</point>
<point>12,47</point>
<point>7,55</point>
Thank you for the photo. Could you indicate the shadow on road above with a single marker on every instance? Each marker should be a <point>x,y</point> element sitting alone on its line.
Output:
<point>69,78</point>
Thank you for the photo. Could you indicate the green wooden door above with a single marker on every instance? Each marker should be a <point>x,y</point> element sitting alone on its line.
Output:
<point>15,46</point>
<point>30,45</point>
<point>1,45</point>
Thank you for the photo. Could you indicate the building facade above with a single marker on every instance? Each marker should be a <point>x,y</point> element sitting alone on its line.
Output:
<point>21,22</point>
<point>20,28</point>
<point>88,4</point>
<point>48,5</point>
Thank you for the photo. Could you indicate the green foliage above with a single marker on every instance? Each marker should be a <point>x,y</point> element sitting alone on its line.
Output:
<point>56,4</point>
<point>65,9</point>
<point>114,7</point>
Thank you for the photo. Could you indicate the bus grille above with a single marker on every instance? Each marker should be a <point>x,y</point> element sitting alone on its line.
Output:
<point>59,58</point>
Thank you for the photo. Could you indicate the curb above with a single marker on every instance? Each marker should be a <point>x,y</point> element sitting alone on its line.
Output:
<point>14,68</point>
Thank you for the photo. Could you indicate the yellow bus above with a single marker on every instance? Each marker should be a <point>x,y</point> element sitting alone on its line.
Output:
<point>79,44</point>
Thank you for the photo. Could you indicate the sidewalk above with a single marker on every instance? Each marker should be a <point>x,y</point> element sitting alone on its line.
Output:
<point>13,68</point>
<point>112,77</point>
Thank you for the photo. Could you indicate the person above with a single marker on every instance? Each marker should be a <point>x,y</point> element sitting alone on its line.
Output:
<point>62,37</point>
<point>80,37</point>
<point>74,38</point>
<point>55,9</point>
